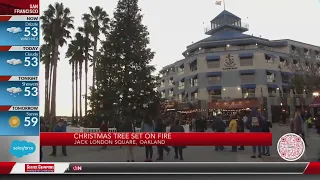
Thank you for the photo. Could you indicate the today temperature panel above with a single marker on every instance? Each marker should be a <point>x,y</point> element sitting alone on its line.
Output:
<point>19,123</point>
<point>19,93</point>
<point>19,63</point>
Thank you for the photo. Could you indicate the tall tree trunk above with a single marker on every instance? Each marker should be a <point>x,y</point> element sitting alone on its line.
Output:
<point>94,60</point>
<point>80,90</point>
<point>72,92</point>
<point>54,78</point>
<point>76,77</point>
<point>50,88</point>
<point>47,102</point>
<point>86,82</point>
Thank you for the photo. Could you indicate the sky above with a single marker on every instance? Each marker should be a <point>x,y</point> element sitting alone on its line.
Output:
<point>175,24</point>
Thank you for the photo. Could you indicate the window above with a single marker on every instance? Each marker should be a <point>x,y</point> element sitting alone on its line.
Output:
<point>194,96</point>
<point>213,64</point>
<point>170,92</point>
<point>272,91</point>
<point>194,82</point>
<point>247,79</point>
<point>215,94</point>
<point>193,66</point>
<point>181,84</point>
<point>317,55</point>
<point>269,59</point>
<point>246,62</point>
<point>171,82</point>
<point>248,93</point>
<point>271,77</point>
<point>283,62</point>
<point>163,94</point>
<point>162,83</point>
<point>180,97</point>
<point>214,80</point>
<point>285,78</point>
<point>306,51</point>
<point>181,69</point>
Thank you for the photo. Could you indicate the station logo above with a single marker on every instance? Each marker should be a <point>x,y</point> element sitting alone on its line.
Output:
<point>22,148</point>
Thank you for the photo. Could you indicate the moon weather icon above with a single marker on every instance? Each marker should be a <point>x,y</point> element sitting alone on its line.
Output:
<point>14,121</point>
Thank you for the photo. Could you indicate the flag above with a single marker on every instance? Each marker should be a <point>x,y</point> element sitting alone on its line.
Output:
<point>218,2</point>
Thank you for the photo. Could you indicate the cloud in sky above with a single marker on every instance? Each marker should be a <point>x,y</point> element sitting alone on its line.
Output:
<point>14,61</point>
<point>14,30</point>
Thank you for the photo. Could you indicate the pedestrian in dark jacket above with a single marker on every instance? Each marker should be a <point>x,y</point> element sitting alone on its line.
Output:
<point>255,124</point>
<point>60,128</point>
<point>218,126</point>
<point>104,128</point>
<point>266,128</point>
<point>240,128</point>
<point>148,126</point>
<point>161,127</point>
<point>127,126</point>
<point>178,150</point>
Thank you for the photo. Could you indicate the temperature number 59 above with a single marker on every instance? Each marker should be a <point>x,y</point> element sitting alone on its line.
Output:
<point>30,121</point>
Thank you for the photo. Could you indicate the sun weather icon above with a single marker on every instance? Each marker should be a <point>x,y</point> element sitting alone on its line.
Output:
<point>14,91</point>
<point>14,62</point>
<point>14,30</point>
<point>14,121</point>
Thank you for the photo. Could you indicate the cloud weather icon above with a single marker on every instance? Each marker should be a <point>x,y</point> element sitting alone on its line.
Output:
<point>14,30</point>
<point>14,91</point>
<point>14,61</point>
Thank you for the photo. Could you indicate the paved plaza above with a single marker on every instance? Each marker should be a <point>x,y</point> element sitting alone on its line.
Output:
<point>191,154</point>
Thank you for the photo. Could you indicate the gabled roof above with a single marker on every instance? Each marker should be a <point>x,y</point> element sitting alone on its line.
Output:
<point>225,13</point>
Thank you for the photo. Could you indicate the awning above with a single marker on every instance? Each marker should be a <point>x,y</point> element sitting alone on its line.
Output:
<point>273,86</point>
<point>247,72</point>
<point>179,79</point>
<point>245,55</point>
<point>234,104</point>
<point>248,86</point>
<point>270,56</point>
<point>315,103</point>
<point>271,71</point>
<point>212,88</point>
<point>213,74</point>
<point>287,73</point>
<point>192,76</point>
<point>213,58</point>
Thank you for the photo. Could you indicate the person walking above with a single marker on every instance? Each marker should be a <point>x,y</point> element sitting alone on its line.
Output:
<point>148,126</point>
<point>161,127</point>
<point>60,127</point>
<point>104,128</point>
<point>317,126</point>
<point>240,129</point>
<point>218,126</point>
<point>42,129</point>
<point>178,150</point>
<point>298,124</point>
<point>266,128</point>
<point>233,126</point>
<point>255,124</point>
<point>127,126</point>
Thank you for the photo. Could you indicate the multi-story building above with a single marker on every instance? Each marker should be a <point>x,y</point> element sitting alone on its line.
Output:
<point>230,64</point>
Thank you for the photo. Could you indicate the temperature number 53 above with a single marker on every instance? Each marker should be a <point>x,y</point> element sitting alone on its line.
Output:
<point>31,91</point>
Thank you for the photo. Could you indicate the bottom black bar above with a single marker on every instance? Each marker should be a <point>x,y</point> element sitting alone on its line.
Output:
<point>189,168</point>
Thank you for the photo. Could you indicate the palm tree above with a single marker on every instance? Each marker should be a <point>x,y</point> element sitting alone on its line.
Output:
<point>98,21</point>
<point>45,54</point>
<point>75,53</point>
<point>87,44</point>
<point>56,23</point>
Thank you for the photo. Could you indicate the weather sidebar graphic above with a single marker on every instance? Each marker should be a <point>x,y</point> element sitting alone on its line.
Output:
<point>19,86</point>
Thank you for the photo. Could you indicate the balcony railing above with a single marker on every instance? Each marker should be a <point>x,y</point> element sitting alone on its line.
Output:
<point>211,28</point>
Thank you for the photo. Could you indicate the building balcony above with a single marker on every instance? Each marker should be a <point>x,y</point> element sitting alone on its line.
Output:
<point>212,27</point>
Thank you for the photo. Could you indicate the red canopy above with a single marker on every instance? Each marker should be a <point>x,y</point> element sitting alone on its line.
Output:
<point>315,103</point>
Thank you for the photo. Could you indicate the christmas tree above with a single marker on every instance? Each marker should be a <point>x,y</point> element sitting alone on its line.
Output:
<point>125,84</point>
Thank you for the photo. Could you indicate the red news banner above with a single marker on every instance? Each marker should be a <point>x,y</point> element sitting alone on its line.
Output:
<point>156,139</point>
<point>19,7</point>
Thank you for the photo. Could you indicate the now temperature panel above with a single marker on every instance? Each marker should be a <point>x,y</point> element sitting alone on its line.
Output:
<point>19,93</point>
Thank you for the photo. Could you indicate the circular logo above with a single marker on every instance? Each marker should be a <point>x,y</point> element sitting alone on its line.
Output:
<point>291,147</point>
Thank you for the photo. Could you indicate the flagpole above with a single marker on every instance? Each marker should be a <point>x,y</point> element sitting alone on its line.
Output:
<point>224,4</point>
